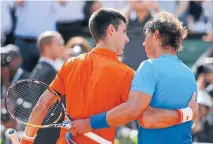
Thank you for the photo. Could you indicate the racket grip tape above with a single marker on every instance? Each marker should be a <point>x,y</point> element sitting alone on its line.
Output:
<point>13,136</point>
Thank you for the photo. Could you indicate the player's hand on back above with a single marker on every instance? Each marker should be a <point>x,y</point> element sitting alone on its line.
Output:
<point>79,127</point>
<point>194,106</point>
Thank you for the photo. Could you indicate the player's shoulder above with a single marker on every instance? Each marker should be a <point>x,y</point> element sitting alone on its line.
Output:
<point>148,62</point>
<point>187,70</point>
<point>124,68</point>
<point>73,61</point>
<point>153,61</point>
<point>79,58</point>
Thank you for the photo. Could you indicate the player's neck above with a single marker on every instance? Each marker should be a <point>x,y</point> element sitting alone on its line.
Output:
<point>162,51</point>
<point>106,45</point>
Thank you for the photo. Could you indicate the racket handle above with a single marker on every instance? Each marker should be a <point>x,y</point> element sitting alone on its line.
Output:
<point>68,135</point>
<point>90,135</point>
<point>13,136</point>
<point>97,138</point>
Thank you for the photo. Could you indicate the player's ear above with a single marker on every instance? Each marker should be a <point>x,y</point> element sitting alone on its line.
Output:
<point>111,30</point>
<point>156,34</point>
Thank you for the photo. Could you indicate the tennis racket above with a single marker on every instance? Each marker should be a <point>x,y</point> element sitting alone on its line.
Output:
<point>13,136</point>
<point>37,105</point>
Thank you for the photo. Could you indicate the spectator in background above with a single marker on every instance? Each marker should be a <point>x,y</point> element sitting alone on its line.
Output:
<point>77,45</point>
<point>205,78</point>
<point>70,17</point>
<point>196,18</point>
<point>118,5</point>
<point>89,8</point>
<point>33,17</point>
<point>209,36</point>
<point>207,6</point>
<point>169,6</point>
<point>203,126</point>
<point>74,47</point>
<point>10,61</point>
<point>208,76</point>
<point>203,132</point>
<point>138,14</point>
<point>178,8</point>
<point>191,13</point>
<point>51,45</point>
<point>6,22</point>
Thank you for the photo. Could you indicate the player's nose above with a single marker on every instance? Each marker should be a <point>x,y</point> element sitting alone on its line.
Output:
<point>127,39</point>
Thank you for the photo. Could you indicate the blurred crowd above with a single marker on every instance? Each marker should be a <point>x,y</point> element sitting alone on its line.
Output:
<point>37,37</point>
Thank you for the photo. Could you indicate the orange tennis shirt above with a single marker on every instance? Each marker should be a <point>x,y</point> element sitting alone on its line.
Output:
<point>93,83</point>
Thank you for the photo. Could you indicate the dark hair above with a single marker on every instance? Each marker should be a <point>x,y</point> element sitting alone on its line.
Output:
<point>171,30</point>
<point>101,19</point>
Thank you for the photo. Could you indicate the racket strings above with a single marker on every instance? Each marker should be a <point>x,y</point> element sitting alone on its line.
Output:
<point>25,95</point>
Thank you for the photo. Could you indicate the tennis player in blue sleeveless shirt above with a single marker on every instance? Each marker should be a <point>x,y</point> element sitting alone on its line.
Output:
<point>170,84</point>
<point>166,79</point>
<point>163,81</point>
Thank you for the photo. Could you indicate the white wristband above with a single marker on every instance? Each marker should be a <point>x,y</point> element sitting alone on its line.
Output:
<point>28,138</point>
<point>187,114</point>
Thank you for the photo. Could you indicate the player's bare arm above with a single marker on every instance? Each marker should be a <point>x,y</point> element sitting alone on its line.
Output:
<point>161,118</point>
<point>39,112</point>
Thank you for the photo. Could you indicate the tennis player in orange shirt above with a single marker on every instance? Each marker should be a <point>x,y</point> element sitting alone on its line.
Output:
<point>97,81</point>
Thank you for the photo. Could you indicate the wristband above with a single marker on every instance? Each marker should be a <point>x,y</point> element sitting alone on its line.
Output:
<point>28,138</point>
<point>185,114</point>
<point>99,121</point>
<point>24,141</point>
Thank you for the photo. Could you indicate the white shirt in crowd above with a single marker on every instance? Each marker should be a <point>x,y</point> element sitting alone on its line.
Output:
<point>169,6</point>
<point>6,19</point>
<point>119,5</point>
<point>70,12</point>
<point>35,17</point>
<point>208,11</point>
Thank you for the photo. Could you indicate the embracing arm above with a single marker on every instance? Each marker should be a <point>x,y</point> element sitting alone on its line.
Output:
<point>128,111</point>
<point>132,109</point>
<point>137,107</point>
<point>158,118</point>
<point>139,98</point>
<point>162,118</point>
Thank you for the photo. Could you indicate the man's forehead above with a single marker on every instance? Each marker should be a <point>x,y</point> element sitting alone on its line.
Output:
<point>123,24</point>
<point>58,39</point>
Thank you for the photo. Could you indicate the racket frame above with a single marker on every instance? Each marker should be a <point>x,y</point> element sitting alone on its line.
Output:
<point>90,135</point>
<point>54,124</point>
